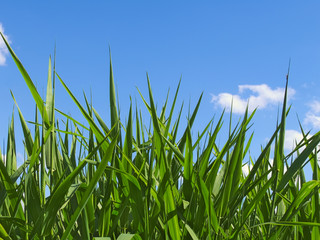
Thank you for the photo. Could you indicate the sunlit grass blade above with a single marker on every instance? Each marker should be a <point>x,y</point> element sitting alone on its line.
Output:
<point>26,131</point>
<point>113,102</point>
<point>3,234</point>
<point>29,82</point>
<point>11,157</point>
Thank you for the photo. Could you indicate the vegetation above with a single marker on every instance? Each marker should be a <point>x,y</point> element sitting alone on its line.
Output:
<point>134,181</point>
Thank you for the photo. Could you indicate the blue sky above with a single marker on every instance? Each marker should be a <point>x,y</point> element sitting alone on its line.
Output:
<point>236,50</point>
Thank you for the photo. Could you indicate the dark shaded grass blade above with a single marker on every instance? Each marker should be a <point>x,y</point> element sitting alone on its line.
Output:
<point>212,216</point>
<point>3,233</point>
<point>10,190</point>
<point>95,178</point>
<point>303,196</point>
<point>250,207</point>
<point>56,199</point>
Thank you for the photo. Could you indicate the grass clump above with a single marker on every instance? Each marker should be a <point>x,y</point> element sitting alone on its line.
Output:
<point>129,181</point>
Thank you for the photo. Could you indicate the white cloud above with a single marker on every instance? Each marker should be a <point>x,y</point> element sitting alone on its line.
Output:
<point>312,119</point>
<point>225,99</point>
<point>3,48</point>
<point>292,138</point>
<point>313,115</point>
<point>315,106</point>
<point>246,168</point>
<point>260,97</point>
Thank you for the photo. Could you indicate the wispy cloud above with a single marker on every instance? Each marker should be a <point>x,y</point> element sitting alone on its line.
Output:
<point>3,49</point>
<point>260,96</point>
<point>313,115</point>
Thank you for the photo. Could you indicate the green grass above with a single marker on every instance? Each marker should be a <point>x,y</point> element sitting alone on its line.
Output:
<point>138,181</point>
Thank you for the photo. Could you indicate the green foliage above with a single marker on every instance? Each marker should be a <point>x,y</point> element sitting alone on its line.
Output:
<point>90,183</point>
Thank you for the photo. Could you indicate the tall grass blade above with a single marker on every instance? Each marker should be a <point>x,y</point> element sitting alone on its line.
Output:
<point>29,82</point>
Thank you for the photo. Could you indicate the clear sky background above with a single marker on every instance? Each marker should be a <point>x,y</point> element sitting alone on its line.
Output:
<point>225,49</point>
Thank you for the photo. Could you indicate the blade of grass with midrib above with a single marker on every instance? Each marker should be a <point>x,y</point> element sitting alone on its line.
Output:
<point>11,159</point>
<point>49,151</point>
<point>113,102</point>
<point>26,131</point>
